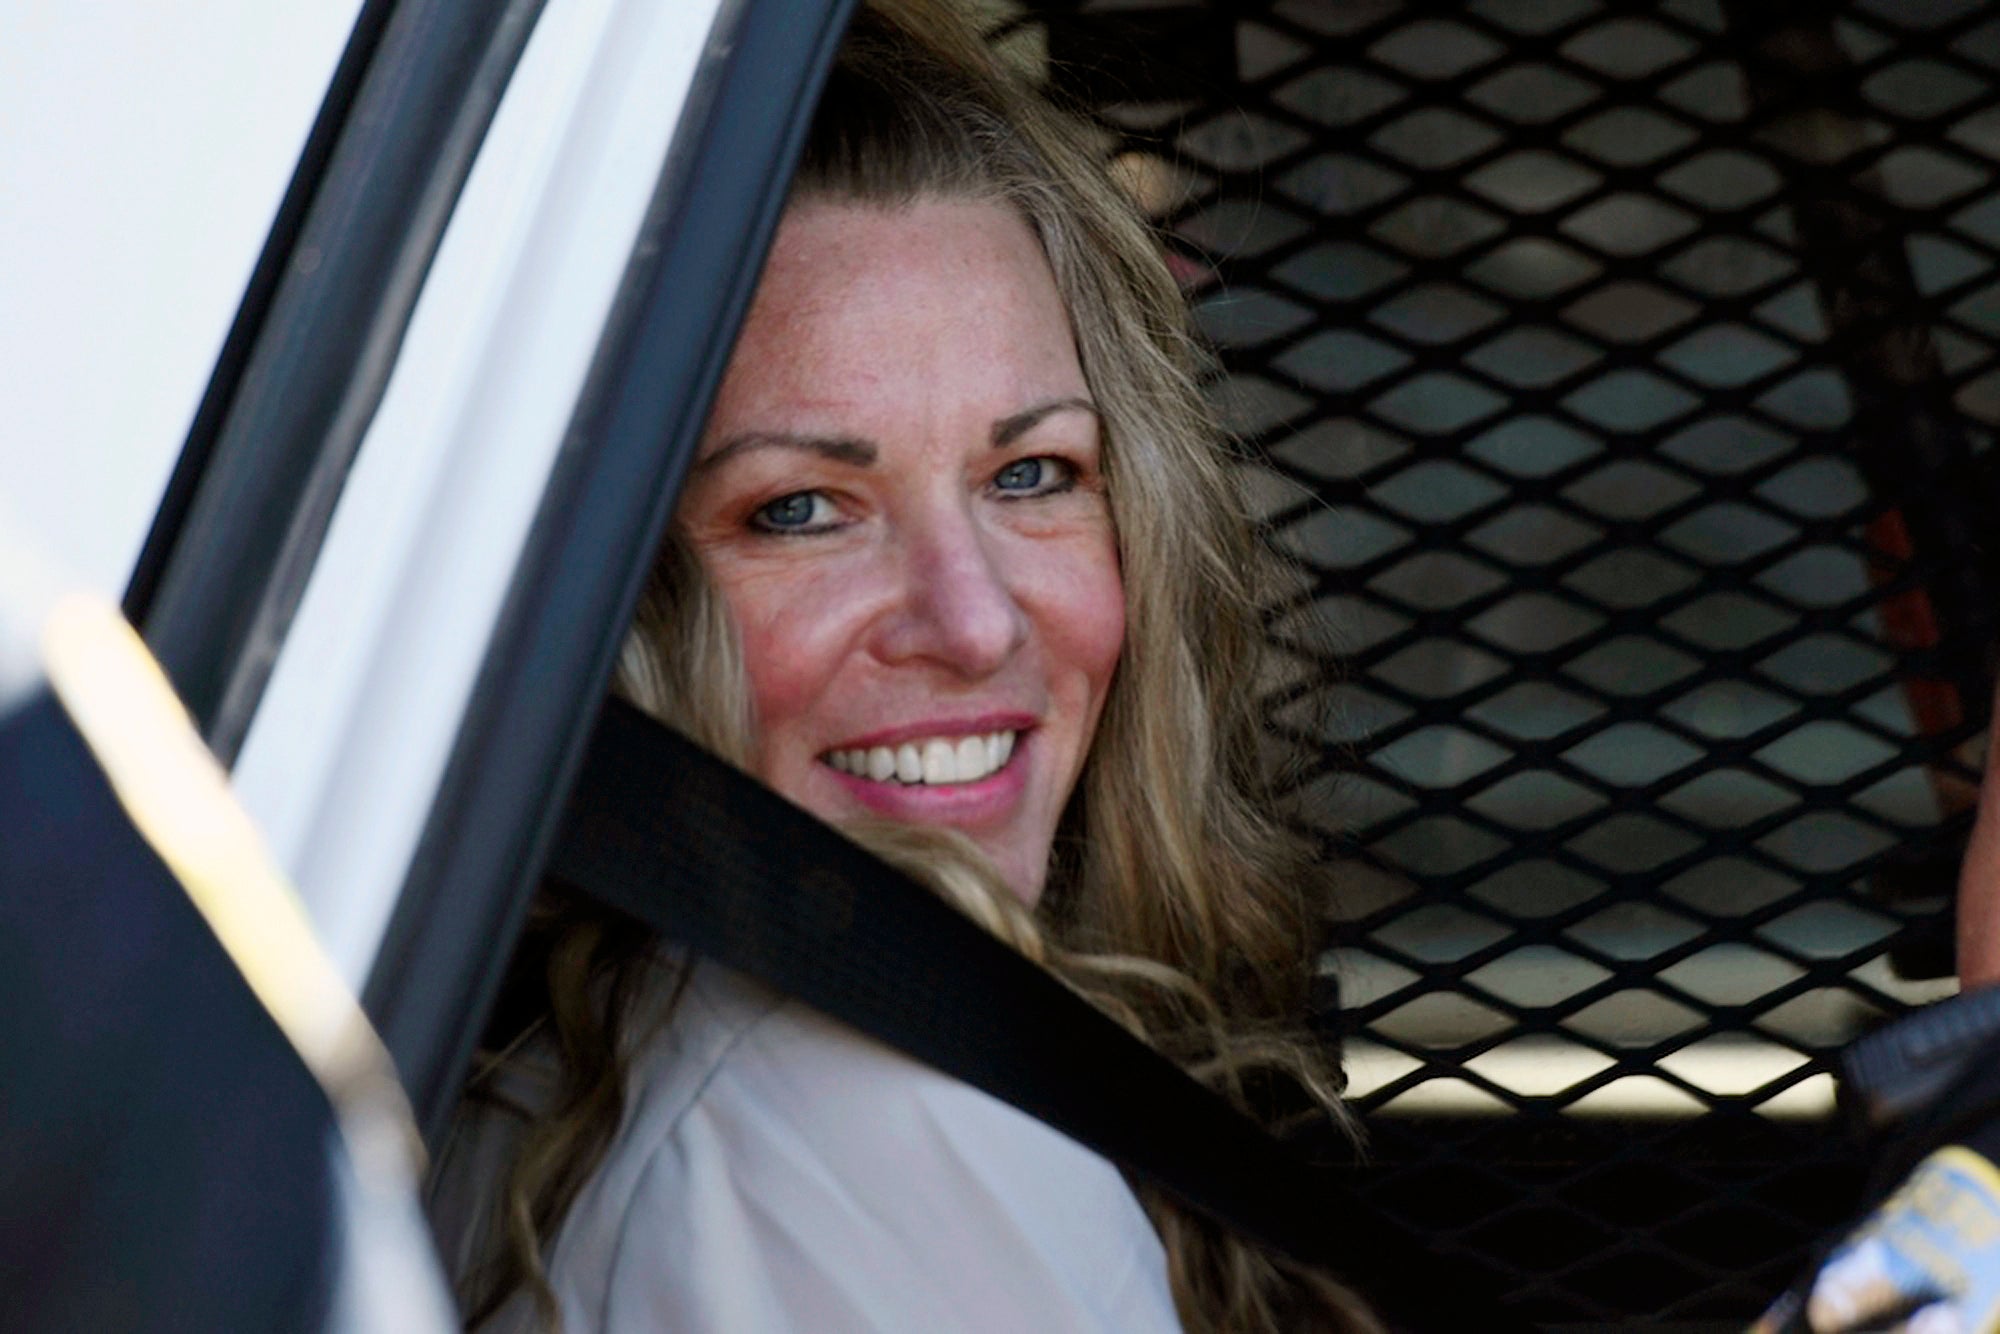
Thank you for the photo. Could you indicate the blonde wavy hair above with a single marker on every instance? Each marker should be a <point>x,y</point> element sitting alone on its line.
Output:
<point>1178,900</point>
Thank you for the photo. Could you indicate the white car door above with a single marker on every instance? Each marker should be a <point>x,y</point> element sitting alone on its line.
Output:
<point>393,564</point>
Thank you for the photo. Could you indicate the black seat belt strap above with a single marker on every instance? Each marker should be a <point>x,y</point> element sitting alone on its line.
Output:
<point>663,831</point>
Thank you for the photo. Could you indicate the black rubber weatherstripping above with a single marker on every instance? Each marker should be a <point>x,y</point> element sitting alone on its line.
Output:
<point>226,564</point>
<point>248,325</point>
<point>706,856</point>
<point>636,426</point>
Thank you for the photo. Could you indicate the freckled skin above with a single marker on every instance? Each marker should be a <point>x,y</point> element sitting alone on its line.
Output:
<point>933,588</point>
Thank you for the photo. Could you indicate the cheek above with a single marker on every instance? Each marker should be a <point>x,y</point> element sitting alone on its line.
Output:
<point>1106,616</point>
<point>792,631</point>
<point>781,683</point>
<point>1086,622</point>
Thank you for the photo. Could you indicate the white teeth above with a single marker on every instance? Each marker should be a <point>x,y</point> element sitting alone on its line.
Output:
<point>940,762</point>
<point>936,761</point>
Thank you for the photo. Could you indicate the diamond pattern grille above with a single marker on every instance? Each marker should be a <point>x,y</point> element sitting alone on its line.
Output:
<point>1622,380</point>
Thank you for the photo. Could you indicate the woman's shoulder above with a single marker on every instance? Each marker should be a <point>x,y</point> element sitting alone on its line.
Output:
<point>777,1165</point>
<point>744,1066</point>
<point>749,1062</point>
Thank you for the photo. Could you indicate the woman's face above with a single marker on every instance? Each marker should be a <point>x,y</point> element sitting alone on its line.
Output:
<point>901,498</point>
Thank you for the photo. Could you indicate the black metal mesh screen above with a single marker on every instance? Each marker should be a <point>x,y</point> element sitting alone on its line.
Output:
<point>1621,379</point>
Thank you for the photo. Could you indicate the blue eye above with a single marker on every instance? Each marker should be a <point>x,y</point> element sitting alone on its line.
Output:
<point>1035,476</point>
<point>802,511</point>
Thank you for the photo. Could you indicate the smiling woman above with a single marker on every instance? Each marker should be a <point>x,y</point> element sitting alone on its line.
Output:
<point>959,569</point>
<point>901,501</point>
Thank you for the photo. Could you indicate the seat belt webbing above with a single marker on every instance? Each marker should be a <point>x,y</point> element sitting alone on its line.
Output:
<point>708,857</point>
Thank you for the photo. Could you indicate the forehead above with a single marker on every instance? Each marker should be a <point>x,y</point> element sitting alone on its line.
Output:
<point>862,306</point>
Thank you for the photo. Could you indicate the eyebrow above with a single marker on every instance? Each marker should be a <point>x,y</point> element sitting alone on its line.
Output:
<point>1009,429</point>
<point>861,454</point>
<point>839,448</point>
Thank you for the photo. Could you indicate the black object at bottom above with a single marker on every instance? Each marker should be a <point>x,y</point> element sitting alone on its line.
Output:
<point>694,849</point>
<point>1910,1068</point>
<point>163,1151</point>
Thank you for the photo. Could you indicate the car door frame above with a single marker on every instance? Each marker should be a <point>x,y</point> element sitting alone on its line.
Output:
<point>243,533</point>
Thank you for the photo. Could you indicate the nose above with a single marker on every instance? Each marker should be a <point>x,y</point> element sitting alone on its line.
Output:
<point>956,607</point>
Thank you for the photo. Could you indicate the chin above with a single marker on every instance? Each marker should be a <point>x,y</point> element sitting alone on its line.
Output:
<point>1023,877</point>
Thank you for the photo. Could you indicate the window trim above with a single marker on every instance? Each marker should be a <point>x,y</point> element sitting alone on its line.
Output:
<point>310,352</point>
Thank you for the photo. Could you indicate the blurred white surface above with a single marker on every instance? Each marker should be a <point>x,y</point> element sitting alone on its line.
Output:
<point>144,147</point>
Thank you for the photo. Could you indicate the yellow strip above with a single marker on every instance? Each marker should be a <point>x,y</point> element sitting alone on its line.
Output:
<point>178,797</point>
<point>1973,1163</point>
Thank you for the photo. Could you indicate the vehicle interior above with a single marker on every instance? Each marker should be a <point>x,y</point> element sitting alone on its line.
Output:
<point>1621,381</point>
